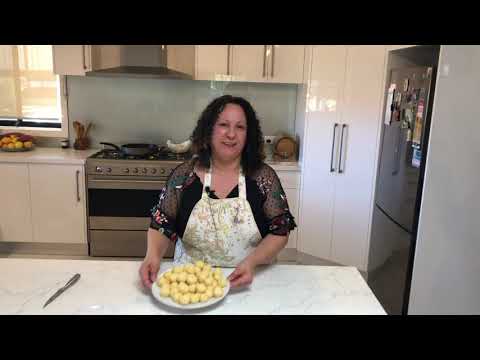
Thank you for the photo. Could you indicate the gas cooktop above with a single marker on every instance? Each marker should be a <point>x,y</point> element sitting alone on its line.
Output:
<point>162,154</point>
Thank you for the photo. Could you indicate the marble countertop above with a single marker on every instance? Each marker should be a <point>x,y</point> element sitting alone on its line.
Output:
<point>48,156</point>
<point>113,287</point>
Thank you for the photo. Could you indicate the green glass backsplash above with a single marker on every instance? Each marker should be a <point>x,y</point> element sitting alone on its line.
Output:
<point>152,110</point>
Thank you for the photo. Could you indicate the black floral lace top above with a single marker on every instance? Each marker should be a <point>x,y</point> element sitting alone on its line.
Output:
<point>184,189</point>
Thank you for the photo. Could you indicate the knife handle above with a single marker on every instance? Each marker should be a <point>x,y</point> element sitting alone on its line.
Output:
<point>72,281</point>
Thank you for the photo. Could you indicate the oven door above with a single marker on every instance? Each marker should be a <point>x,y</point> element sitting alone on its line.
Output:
<point>119,216</point>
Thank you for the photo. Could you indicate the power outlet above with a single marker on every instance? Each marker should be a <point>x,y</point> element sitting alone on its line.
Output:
<point>269,139</point>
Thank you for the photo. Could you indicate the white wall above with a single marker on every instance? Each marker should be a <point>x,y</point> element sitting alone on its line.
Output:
<point>446,273</point>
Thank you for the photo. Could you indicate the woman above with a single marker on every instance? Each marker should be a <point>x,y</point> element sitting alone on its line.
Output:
<point>225,206</point>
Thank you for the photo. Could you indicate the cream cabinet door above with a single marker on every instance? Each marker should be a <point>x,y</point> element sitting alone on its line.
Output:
<point>365,70</point>
<point>58,203</point>
<point>15,215</point>
<point>286,64</point>
<point>213,62</point>
<point>71,59</point>
<point>324,104</point>
<point>249,63</point>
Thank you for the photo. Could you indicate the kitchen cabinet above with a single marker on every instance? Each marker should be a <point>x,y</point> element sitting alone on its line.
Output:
<point>290,181</point>
<point>341,132</point>
<point>213,62</point>
<point>268,63</point>
<point>58,203</point>
<point>245,63</point>
<point>15,215</point>
<point>286,64</point>
<point>71,59</point>
<point>249,63</point>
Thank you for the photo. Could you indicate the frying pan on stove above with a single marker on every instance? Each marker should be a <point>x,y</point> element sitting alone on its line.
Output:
<point>134,149</point>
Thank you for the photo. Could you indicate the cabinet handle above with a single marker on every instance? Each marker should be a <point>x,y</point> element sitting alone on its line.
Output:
<point>273,58</point>
<point>332,169</point>
<point>264,60</point>
<point>340,170</point>
<point>78,187</point>
<point>228,59</point>
<point>84,61</point>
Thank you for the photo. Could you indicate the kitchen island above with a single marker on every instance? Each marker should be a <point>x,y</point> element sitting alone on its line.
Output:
<point>109,287</point>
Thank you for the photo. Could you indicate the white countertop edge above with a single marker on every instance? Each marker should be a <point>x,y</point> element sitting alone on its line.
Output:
<point>44,155</point>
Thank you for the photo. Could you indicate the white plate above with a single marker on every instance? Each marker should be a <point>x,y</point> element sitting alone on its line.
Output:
<point>168,301</point>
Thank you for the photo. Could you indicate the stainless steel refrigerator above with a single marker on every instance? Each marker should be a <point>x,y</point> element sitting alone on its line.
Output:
<point>406,124</point>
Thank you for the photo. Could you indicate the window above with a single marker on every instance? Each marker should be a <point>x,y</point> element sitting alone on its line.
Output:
<point>30,93</point>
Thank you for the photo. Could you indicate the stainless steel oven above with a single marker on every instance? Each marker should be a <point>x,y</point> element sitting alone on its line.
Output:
<point>121,193</point>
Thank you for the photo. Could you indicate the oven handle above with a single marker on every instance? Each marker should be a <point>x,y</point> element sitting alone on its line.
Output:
<point>126,184</point>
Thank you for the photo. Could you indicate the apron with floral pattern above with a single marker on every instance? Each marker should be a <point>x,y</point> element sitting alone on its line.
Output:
<point>221,232</point>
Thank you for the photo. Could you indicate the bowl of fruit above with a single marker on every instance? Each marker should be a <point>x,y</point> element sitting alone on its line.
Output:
<point>14,142</point>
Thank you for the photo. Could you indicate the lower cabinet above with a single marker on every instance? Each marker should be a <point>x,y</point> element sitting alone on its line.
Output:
<point>58,203</point>
<point>15,210</point>
<point>43,203</point>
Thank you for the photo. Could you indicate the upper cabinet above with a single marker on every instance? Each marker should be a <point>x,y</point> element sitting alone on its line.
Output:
<point>286,64</point>
<point>71,59</point>
<point>249,63</point>
<point>243,63</point>
<point>268,63</point>
<point>213,62</point>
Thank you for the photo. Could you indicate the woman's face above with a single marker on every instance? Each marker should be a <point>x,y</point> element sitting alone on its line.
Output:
<point>229,133</point>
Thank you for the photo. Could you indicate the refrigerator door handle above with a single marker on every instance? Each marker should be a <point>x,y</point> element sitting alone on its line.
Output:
<point>340,170</point>
<point>332,169</point>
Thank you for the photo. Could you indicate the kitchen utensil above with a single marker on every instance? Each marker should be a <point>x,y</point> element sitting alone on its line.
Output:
<point>169,302</point>
<point>70,283</point>
<point>134,149</point>
<point>88,129</point>
<point>285,147</point>
<point>179,148</point>
<point>82,142</point>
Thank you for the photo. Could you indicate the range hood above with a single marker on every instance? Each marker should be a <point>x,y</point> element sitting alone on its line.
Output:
<point>143,61</point>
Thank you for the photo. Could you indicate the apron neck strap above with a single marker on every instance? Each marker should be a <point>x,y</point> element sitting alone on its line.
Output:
<point>242,188</point>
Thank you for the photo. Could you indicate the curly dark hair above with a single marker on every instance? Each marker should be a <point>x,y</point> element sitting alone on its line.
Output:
<point>252,154</point>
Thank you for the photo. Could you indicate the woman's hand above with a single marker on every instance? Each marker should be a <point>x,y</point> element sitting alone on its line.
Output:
<point>157,244</point>
<point>149,270</point>
<point>243,274</point>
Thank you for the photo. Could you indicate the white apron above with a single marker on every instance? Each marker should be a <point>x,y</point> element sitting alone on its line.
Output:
<point>221,232</point>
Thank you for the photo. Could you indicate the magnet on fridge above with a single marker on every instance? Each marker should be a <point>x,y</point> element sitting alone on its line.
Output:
<point>420,108</point>
<point>416,158</point>
<point>409,135</point>
<point>391,108</point>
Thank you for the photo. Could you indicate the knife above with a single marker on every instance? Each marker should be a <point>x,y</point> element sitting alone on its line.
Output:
<point>70,282</point>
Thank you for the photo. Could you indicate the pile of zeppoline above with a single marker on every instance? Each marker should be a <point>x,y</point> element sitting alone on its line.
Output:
<point>192,283</point>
